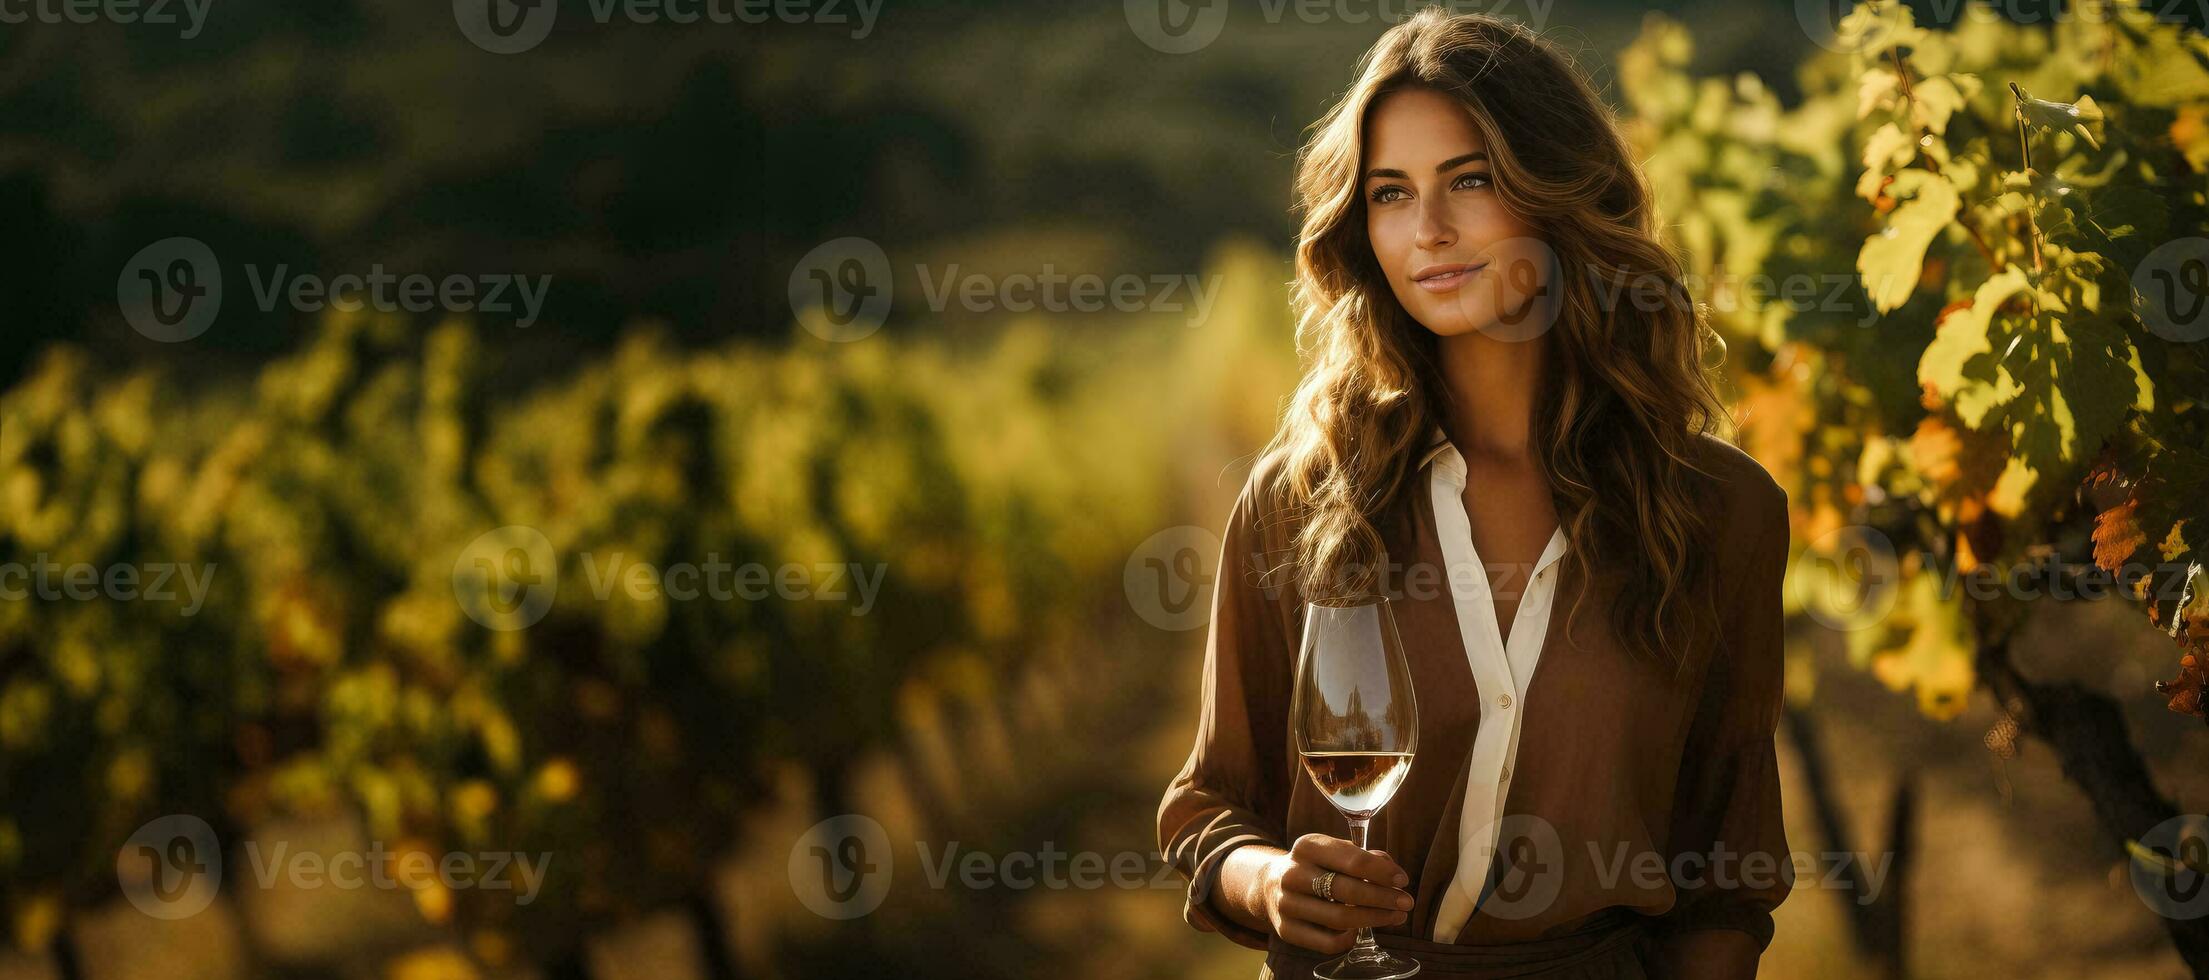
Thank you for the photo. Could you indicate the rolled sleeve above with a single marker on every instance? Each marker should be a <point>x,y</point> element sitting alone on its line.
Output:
<point>1232,791</point>
<point>1727,834</point>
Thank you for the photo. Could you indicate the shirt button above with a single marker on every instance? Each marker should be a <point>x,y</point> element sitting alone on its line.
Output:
<point>1504,700</point>
<point>1507,774</point>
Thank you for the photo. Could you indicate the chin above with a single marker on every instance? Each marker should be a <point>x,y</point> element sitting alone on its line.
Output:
<point>1529,321</point>
<point>1451,321</point>
<point>1454,327</point>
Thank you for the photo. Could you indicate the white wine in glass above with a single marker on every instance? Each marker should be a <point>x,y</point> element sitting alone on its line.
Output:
<point>1357,727</point>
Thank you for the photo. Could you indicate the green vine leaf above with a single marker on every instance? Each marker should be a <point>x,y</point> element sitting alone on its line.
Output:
<point>2083,117</point>
<point>1871,30</point>
<point>1887,150</point>
<point>1892,259</point>
<point>1936,100</point>
<point>1959,363</point>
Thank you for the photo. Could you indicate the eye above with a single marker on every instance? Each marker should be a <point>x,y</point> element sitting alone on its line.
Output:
<point>1470,180</point>
<point>1382,194</point>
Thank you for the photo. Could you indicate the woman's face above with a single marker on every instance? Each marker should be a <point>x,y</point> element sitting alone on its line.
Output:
<point>1456,258</point>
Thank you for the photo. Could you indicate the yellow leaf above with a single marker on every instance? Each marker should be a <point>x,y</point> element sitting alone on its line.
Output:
<point>1961,336</point>
<point>1877,88</point>
<point>1892,260</point>
<point>1886,149</point>
<point>1924,644</point>
<point>2190,133</point>
<point>2012,488</point>
<point>1936,99</point>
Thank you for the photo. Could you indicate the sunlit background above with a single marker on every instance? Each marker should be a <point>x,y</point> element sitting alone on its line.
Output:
<point>956,326</point>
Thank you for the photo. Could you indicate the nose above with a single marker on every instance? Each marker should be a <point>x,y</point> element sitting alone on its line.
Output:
<point>1435,230</point>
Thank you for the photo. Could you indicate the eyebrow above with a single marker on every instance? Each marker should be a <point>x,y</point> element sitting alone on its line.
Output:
<point>1444,167</point>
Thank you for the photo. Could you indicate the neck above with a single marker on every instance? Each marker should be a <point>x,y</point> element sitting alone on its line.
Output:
<point>1492,386</point>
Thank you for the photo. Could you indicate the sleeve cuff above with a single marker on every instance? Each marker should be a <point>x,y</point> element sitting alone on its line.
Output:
<point>1197,907</point>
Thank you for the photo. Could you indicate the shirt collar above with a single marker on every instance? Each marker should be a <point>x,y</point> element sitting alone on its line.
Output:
<point>1443,454</point>
<point>1449,468</point>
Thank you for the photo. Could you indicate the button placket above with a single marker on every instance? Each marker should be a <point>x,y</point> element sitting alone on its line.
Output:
<point>1501,664</point>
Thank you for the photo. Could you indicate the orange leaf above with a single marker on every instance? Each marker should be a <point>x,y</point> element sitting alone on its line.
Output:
<point>2185,690</point>
<point>1937,450</point>
<point>2117,534</point>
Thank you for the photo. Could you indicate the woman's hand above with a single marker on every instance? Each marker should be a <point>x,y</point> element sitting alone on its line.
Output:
<point>1272,889</point>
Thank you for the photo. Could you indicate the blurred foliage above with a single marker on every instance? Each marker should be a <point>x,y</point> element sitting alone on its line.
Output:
<point>1964,374</point>
<point>1000,484</point>
<point>660,170</point>
<point>1933,284</point>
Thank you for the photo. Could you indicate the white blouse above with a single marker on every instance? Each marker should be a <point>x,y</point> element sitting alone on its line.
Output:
<point>1503,672</point>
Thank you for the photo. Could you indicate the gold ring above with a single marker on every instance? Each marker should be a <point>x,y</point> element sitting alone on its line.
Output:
<point>1324,886</point>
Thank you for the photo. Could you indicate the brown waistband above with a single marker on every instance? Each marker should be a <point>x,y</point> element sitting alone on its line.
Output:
<point>1606,946</point>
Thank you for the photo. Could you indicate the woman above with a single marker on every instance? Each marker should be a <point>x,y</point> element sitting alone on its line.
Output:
<point>1504,377</point>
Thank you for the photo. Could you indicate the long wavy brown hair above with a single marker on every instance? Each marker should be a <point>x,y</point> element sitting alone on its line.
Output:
<point>1626,393</point>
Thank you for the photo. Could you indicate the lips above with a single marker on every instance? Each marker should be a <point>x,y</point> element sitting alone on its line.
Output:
<point>1443,278</point>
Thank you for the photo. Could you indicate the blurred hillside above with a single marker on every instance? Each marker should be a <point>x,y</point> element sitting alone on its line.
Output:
<point>661,171</point>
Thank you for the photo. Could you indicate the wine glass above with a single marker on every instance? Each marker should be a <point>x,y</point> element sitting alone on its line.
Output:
<point>1357,726</point>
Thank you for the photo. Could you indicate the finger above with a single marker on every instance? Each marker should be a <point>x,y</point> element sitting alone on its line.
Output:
<point>1303,878</point>
<point>1358,891</point>
<point>1335,915</point>
<point>1336,854</point>
<point>1322,941</point>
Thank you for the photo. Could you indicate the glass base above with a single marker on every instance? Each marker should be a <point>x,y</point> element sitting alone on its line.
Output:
<point>1372,963</point>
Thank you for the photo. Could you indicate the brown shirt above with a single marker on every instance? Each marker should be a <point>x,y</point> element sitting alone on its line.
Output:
<point>1626,786</point>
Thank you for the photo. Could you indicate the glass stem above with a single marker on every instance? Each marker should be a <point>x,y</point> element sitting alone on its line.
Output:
<point>1365,944</point>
